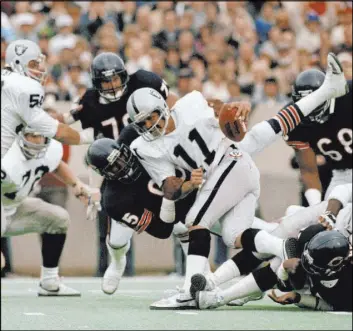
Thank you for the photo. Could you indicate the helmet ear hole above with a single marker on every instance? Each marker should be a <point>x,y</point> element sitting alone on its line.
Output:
<point>17,62</point>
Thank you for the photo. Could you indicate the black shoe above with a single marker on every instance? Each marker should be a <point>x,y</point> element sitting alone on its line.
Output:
<point>198,283</point>
<point>290,248</point>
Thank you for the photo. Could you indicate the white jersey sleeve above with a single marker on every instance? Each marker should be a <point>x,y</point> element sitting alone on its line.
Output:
<point>153,160</point>
<point>54,155</point>
<point>342,193</point>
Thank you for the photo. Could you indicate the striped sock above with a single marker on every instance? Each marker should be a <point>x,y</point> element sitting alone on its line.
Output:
<point>288,118</point>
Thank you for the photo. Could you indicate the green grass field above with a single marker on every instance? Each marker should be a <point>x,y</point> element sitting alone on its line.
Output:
<point>128,309</point>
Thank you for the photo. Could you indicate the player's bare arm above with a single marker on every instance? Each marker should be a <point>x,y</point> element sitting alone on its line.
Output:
<point>171,99</point>
<point>309,175</point>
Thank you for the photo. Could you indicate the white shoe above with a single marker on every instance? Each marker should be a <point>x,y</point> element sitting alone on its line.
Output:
<point>335,82</point>
<point>290,248</point>
<point>52,287</point>
<point>112,275</point>
<point>209,299</point>
<point>200,282</point>
<point>243,301</point>
<point>180,300</point>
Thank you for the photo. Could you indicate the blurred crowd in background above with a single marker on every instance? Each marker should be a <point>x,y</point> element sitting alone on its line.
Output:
<point>227,50</point>
<point>232,51</point>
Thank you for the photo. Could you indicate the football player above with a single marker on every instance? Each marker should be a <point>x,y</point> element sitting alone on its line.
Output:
<point>326,265</point>
<point>103,107</point>
<point>326,131</point>
<point>190,137</point>
<point>132,201</point>
<point>336,213</point>
<point>30,157</point>
<point>103,112</point>
<point>22,96</point>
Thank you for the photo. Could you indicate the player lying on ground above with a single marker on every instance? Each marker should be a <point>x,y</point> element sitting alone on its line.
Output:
<point>336,212</point>
<point>132,201</point>
<point>30,157</point>
<point>190,137</point>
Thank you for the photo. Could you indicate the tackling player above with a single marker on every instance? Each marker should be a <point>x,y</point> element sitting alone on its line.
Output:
<point>190,137</point>
<point>30,157</point>
<point>132,201</point>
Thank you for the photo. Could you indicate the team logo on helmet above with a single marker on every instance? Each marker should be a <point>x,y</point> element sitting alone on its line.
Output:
<point>20,49</point>
<point>155,94</point>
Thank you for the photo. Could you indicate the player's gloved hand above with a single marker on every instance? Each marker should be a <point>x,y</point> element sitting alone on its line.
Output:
<point>93,205</point>
<point>285,299</point>
<point>85,193</point>
<point>328,220</point>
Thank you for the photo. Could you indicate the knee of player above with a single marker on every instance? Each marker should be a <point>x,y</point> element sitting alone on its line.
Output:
<point>231,238</point>
<point>60,220</point>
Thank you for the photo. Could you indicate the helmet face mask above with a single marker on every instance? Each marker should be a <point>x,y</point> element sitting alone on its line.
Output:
<point>156,130</point>
<point>32,148</point>
<point>109,76</point>
<point>113,161</point>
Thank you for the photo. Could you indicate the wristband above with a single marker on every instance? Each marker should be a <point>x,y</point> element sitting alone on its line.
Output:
<point>313,196</point>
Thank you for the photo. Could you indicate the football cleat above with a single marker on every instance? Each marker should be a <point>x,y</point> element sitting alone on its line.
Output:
<point>112,275</point>
<point>52,287</point>
<point>335,82</point>
<point>209,299</point>
<point>243,301</point>
<point>200,282</point>
<point>178,301</point>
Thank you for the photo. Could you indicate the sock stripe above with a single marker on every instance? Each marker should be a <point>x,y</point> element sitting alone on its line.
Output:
<point>286,124</point>
<point>288,118</point>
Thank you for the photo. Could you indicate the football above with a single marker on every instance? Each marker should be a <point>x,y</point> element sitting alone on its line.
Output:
<point>234,130</point>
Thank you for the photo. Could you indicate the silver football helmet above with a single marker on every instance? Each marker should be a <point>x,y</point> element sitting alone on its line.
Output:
<point>140,106</point>
<point>29,149</point>
<point>18,55</point>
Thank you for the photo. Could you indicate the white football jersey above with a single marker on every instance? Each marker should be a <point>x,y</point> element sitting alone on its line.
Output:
<point>19,175</point>
<point>196,142</point>
<point>21,102</point>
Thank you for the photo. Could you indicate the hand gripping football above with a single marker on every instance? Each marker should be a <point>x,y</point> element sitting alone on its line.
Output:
<point>232,129</point>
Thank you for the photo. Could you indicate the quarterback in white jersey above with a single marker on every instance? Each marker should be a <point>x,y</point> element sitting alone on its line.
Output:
<point>223,171</point>
<point>30,157</point>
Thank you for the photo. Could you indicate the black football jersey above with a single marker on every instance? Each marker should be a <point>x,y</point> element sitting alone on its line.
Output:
<point>108,120</point>
<point>332,139</point>
<point>138,205</point>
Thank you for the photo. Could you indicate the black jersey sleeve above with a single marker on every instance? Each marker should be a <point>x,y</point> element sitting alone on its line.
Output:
<point>128,135</point>
<point>145,78</point>
<point>84,115</point>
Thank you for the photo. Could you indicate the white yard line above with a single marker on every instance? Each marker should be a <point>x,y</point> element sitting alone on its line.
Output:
<point>34,314</point>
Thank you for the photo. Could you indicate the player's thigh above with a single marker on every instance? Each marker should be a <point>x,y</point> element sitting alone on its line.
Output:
<point>37,216</point>
<point>261,224</point>
<point>344,221</point>
<point>238,219</point>
<point>120,234</point>
<point>291,225</point>
<point>229,183</point>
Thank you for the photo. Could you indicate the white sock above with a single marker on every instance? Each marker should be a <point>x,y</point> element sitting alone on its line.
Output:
<point>227,271</point>
<point>243,288</point>
<point>207,270</point>
<point>195,264</point>
<point>312,101</point>
<point>267,243</point>
<point>49,272</point>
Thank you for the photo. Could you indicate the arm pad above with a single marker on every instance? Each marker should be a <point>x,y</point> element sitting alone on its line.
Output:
<point>167,213</point>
